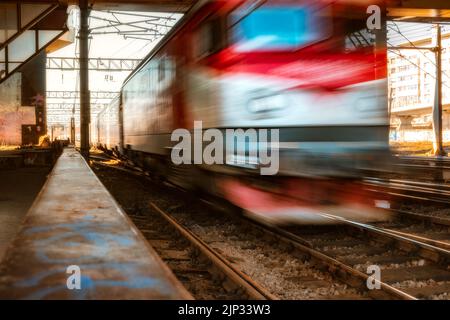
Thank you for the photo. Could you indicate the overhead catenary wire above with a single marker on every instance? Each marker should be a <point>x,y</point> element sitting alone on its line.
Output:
<point>147,30</point>
<point>139,15</point>
<point>414,46</point>
<point>413,63</point>
<point>144,27</point>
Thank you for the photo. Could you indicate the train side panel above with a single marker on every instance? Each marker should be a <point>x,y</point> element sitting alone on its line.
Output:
<point>108,126</point>
<point>325,92</point>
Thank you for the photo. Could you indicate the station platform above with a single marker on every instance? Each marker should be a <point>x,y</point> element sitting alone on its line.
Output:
<point>18,189</point>
<point>32,157</point>
<point>76,229</point>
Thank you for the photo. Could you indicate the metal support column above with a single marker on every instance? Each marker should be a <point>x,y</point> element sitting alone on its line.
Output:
<point>437,107</point>
<point>72,130</point>
<point>85,110</point>
<point>380,50</point>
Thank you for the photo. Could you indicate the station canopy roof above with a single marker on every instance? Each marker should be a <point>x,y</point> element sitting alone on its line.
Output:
<point>125,5</point>
<point>406,10</point>
<point>419,10</point>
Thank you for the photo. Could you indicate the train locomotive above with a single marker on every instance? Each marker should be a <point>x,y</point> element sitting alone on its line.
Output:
<point>309,69</point>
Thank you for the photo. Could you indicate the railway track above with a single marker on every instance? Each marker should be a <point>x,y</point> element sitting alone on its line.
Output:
<point>427,192</point>
<point>203,271</point>
<point>426,169</point>
<point>244,227</point>
<point>412,266</point>
<point>409,264</point>
<point>424,160</point>
<point>411,190</point>
<point>348,258</point>
<point>292,279</point>
<point>432,230</point>
<point>428,164</point>
<point>402,260</point>
<point>416,201</point>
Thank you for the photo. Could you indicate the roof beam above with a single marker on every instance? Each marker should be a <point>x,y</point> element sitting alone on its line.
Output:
<point>420,4</point>
<point>138,5</point>
<point>129,5</point>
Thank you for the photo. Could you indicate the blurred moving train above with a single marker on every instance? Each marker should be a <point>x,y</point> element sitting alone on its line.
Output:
<point>312,69</point>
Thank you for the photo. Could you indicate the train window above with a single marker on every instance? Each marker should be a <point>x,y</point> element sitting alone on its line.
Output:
<point>166,69</point>
<point>358,38</point>
<point>209,38</point>
<point>161,69</point>
<point>291,27</point>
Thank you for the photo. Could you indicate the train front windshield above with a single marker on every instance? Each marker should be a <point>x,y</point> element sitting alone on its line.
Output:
<point>274,28</point>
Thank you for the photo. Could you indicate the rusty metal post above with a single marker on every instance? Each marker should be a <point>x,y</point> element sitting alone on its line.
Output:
<point>72,130</point>
<point>438,149</point>
<point>85,109</point>
<point>380,49</point>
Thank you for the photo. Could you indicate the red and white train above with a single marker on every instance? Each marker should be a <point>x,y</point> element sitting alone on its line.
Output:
<point>312,70</point>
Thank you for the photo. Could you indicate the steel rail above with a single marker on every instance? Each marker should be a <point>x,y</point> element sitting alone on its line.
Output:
<point>424,249</point>
<point>421,217</point>
<point>344,272</point>
<point>252,288</point>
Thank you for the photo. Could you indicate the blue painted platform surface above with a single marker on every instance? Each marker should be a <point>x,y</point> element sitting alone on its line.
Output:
<point>75,224</point>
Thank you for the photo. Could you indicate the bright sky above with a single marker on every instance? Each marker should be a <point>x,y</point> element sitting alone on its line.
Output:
<point>106,46</point>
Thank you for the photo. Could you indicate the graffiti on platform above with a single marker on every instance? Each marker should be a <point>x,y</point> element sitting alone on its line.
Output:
<point>12,114</point>
<point>72,251</point>
<point>11,124</point>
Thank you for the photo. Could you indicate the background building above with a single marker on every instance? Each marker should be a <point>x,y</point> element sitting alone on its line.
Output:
<point>412,81</point>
